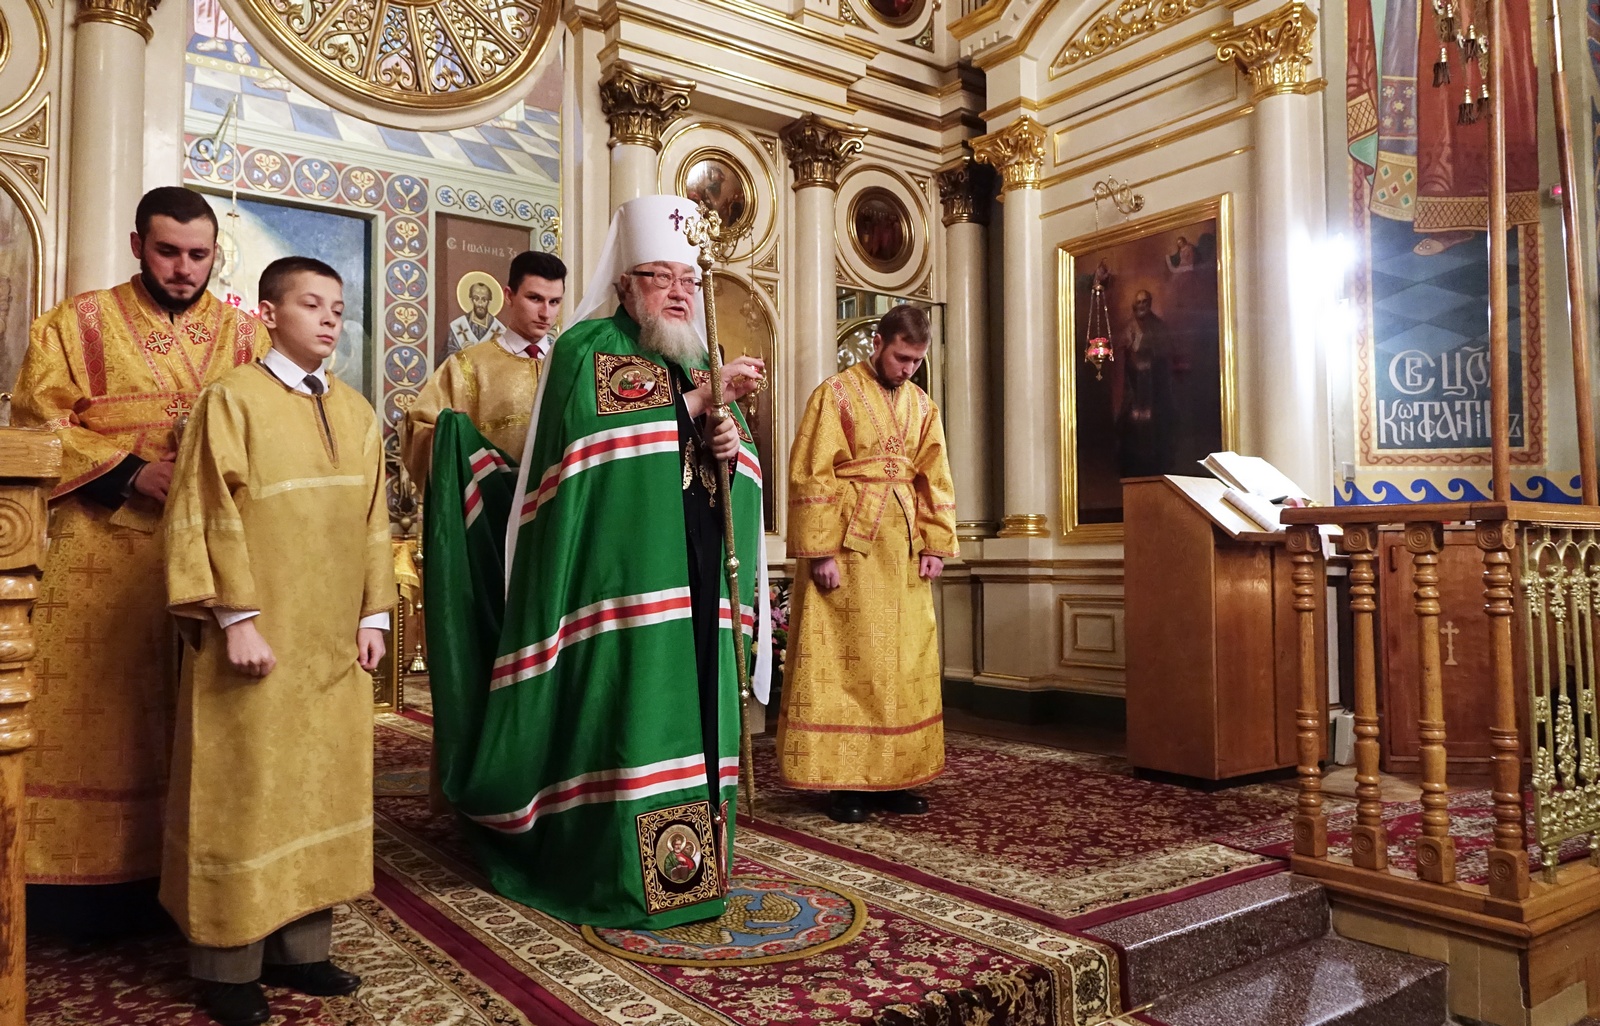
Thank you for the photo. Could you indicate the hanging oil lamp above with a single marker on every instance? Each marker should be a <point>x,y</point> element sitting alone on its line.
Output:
<point>1097,349</point>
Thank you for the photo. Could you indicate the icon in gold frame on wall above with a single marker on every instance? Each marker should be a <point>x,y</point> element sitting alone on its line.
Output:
<point>1166,397</point>
<point>716,177</point>
<point>880,229</point>
<point>897,12</point>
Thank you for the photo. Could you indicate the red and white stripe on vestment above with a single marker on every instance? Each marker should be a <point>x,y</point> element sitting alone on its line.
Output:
<point>725,618</point>
<point>749,465</point>
<point>611,614</point>
<point>483,463</point>
<point>617,785</point>
<point>593,450</point>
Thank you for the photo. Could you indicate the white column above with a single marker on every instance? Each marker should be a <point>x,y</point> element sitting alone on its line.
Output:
<point>1017,152</point>
<point>965,189</point>
<point>1284,393</point>
<point>639,105</point>
<point>106,144</point>
<point>633,172</point>
<point>817,149</point>
<point>815,305</point>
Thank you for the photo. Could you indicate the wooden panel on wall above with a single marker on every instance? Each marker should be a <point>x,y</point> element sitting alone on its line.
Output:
<point>1092,652</point>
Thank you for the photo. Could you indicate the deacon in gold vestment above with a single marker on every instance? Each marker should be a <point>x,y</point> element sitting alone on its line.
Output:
<point>278,545</point>
<point>493,382</point>
<point>111,372</point>
<point>871,521</point>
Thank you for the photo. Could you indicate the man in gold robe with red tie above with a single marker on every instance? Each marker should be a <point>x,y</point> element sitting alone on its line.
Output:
<point>871,522</point>
<point>114,373</point>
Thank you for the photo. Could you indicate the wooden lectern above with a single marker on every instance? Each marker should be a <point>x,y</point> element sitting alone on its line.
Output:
<point>30,461</point>
<point>1213,643</point>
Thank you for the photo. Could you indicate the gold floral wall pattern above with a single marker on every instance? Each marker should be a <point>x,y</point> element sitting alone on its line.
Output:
<point>448,62</point>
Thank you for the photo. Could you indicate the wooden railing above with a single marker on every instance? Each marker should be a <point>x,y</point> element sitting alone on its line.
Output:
<point>1541,590</point>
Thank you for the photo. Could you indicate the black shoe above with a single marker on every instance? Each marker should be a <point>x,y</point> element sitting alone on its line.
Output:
<point>848,807</point>
<point>234,1004</point>
<point>319,979</point>
<point>901,803</point>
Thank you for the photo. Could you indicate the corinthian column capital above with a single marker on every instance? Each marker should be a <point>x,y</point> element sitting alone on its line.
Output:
<point>640,104</point>
<point>965,188</point>
<point>1016,151</point>
<point>818,149</point>
<point>1274,50</point>
<point>133,15</point>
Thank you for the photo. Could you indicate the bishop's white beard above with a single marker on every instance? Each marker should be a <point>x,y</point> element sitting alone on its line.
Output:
<point>675,340</point>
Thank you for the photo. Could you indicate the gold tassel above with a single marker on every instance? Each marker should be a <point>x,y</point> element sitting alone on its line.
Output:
<point>1466,114</point>
<point>1441,68</point>
<point>1445,20</point>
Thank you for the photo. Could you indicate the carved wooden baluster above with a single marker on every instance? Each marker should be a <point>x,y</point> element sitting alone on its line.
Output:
<point>22,521</point>
<point>1436,851</point>
<point>1369,841</point>
<point>1310,825</point>
<point>1508,859</point>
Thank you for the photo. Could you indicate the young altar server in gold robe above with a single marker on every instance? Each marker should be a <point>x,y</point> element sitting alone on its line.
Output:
<point>278,545</point>
<point>871,522</point>
<point>110,372</point>
<point>493,382</point>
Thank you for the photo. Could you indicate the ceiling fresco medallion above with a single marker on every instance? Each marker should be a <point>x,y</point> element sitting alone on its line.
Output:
<point>449,58</point>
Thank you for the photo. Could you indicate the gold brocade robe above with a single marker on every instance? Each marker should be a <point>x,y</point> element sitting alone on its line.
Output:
<point>110,372</point>
<point>269,816</point>
<point>492,387</point>
<point>869,485</point>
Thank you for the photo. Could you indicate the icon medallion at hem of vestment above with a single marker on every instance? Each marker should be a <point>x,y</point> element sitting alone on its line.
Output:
<point>678,857</point>
<point>624,384</point>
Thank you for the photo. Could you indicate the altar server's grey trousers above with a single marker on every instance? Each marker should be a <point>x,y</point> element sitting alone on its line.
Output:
<point>307,939</point>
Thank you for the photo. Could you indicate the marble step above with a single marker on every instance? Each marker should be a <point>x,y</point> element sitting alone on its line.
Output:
<point>1325,982</point>
<point>1168,949</point>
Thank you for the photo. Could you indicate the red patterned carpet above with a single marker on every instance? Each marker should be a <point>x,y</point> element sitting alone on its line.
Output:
<point>1071,834</point>
<point>436,947</point>
<point>1471,824</point>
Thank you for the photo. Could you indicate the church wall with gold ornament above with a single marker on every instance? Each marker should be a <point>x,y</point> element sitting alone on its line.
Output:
<point>1195,153</point>
<point>32,169</point>
<point>835,128</point>
<point>984,160</point>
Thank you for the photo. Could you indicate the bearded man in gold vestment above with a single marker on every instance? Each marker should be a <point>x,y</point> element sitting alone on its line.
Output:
<point>113,373</point>
<point>493,382</point>
<point>871,522</point>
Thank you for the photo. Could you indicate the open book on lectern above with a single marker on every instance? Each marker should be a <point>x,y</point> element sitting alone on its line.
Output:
<point>1255,488</point>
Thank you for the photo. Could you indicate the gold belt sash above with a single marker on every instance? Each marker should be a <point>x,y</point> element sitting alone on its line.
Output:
<point>875,479</point>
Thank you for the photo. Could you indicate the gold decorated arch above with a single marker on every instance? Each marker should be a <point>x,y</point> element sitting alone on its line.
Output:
<point>418,64</point>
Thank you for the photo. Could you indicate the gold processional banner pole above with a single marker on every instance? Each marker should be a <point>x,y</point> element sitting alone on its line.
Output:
<point>1577,302</point>
<point>706,232</point>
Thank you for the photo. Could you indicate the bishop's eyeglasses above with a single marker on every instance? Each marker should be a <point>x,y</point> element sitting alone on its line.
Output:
<point>665,280</point>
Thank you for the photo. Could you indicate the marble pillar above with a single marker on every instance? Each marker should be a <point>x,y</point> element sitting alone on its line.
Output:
<point>965,189</point>
<point>818,149</point>
<point>1017,153</point>
<point>106,141</point>
<point>1285,393</point>
<point>639,105</point>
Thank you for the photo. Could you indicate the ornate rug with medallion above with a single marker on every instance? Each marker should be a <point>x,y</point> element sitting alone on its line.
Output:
<point>766,921</point>
<point>965,917</point>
